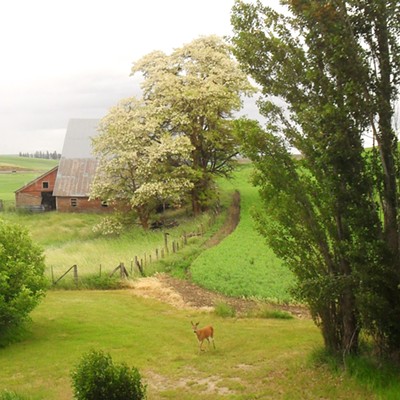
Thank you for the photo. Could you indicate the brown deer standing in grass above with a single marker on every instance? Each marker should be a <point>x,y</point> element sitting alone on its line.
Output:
<point>205,333</point>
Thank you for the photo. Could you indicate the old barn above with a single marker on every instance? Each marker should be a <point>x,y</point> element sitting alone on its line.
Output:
<point>38,195</point>
<point>72,178</point>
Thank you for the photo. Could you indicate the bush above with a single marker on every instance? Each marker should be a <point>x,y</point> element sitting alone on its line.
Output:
<point>22,281</point>
<point>97,378</point>
<point>6,395</point>
<point>224,310</point>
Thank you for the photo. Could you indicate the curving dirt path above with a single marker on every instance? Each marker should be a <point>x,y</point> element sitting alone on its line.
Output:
<point>185,294</point>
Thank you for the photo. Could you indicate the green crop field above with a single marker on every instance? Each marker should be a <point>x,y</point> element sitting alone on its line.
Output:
<point>34,164</point>
<point>242,265</point>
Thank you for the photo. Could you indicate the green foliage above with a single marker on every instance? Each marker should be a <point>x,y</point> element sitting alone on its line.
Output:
<point>224,310</point>
<point>267,312</point>
<point>322,213</point>
<point>108,226</point>
<point>96,377</point>
<point>6,395</point>
<point>22,281</point>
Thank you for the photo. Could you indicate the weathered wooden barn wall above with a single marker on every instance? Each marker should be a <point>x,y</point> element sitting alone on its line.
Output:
<point>81,204</point>
<point>38,192</point>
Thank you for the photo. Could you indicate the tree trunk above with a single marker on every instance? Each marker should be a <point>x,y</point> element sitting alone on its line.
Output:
<point>388,140</point>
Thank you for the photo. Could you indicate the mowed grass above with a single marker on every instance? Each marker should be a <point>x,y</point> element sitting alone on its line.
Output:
<point>254,358</point>
<point>242,264</point>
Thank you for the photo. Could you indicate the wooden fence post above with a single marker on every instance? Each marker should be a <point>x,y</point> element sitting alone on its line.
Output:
<point>76,275</point>
<point>166,242</point>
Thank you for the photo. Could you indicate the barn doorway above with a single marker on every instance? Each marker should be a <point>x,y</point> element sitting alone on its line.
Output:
<point>48,201</point>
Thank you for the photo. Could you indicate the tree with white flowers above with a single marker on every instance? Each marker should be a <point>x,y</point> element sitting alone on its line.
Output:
<point>195,92</point>
<point>140,164</point>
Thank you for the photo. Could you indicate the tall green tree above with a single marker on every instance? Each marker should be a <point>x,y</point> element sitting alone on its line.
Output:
<point>333,216</point>
<point>196,90</point>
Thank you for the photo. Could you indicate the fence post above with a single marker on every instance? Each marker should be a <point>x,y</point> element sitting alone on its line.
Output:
<point>166,241</point>
<point>52,275</point>
<point>100,271</point>
<point>157,254</point>
<point>76,275</point>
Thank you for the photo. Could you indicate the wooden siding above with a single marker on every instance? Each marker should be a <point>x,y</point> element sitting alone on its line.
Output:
<point>37,192</point>
<point>80,204</point>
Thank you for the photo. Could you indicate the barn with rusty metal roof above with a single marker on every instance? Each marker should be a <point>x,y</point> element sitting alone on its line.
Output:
<point>77,168</point>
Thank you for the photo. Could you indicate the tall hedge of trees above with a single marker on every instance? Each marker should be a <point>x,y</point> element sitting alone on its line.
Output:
<point>333,216</point>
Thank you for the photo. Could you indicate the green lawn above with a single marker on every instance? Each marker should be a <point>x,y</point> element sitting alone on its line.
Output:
<point>254,358</point>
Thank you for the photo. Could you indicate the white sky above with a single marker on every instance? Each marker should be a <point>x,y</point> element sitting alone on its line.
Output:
<point>63,59</point>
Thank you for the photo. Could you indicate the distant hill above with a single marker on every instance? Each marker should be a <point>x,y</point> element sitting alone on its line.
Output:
<point>10,163</point>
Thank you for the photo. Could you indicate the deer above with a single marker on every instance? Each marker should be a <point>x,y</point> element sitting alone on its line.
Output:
<point>205,333</point>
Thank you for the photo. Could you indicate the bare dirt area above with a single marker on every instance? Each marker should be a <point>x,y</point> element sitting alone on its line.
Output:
<point>183,294</point>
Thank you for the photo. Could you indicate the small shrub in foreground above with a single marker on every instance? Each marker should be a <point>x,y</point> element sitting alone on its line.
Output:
<point>6,395</point>
<point>96,377</point>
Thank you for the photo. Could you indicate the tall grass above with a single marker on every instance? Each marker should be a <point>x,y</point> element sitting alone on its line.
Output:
<point>242,264</point>
<point>68,239</point>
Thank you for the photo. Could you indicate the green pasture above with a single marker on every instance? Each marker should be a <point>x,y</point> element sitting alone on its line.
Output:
<point>35,164</point>
<point>254,358</point>
<point>242,264</point>
<point>12,181</point>
<point>68,239</point>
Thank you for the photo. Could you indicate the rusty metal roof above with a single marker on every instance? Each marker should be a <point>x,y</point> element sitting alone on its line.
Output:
<point>77,165</point>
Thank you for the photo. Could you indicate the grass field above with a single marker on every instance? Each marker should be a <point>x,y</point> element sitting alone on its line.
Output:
<point>242,264</point>
<point>26,169</point>
<point>254,358</point>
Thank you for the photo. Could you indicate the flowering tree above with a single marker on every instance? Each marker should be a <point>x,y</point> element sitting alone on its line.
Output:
<point>141,164</point>
<point>195,91</point>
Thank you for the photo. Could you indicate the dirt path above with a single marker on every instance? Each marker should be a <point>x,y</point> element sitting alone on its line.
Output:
<point>185,294</point>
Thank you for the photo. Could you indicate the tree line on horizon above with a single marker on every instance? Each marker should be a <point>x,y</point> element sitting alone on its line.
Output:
<point>46,155</point>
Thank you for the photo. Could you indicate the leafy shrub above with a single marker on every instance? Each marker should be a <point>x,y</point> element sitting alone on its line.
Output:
<point>224,310</point>
<point>96,377</point>
<point>273,314</point>
<point>22,281</point>
<point>108,227</point>
<point>6,395</point>
<point>103,282</point>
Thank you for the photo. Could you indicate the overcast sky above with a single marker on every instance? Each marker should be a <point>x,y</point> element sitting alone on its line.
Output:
<point>63,59</point>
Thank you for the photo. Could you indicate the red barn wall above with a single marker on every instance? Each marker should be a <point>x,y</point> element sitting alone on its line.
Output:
<point>31,194</point>
<point>80,204</point>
